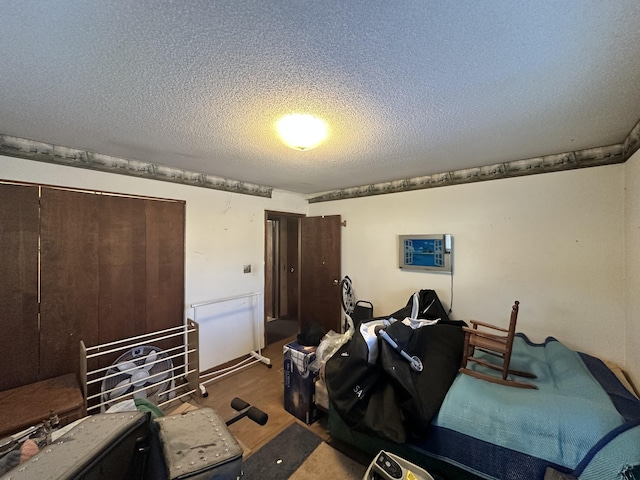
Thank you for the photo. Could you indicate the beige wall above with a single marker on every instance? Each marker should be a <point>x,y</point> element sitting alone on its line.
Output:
<point>553,241</point>
<point>632,266</point>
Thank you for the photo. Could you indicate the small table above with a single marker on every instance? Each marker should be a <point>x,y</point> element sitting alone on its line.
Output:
<point>22,407</point>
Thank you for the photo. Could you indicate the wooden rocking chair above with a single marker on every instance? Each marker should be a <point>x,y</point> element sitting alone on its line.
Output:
<point>495,344</point>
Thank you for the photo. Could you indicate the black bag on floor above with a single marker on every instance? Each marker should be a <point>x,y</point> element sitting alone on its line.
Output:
<point>385,397</point>
<point>426,305</point>
<point>351,379</point>
<point>420,394</point>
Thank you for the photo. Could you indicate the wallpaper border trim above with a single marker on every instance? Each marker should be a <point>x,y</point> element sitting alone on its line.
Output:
<point>591,157</point>
<point>71,157</point>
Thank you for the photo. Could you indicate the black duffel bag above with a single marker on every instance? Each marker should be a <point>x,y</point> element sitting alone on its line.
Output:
<point>385,397</point>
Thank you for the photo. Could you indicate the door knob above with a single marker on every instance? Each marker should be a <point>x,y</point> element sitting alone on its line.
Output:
<point>335,282</point>
<point>291,269</point>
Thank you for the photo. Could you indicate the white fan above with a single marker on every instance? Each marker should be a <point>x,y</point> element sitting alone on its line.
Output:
<point>142,372</point>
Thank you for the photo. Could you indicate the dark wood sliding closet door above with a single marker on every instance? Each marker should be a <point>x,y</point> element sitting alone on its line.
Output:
<point>69,310</point>
<point>165,263</point>
<point>121,270</point>
<point>111,267</point>
<point>165,268</point>
<point>19,225</point>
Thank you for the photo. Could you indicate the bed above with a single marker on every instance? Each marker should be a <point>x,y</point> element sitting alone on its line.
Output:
<point>581,422</point>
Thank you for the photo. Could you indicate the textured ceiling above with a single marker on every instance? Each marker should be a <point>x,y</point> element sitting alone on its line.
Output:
<point>409,88</point>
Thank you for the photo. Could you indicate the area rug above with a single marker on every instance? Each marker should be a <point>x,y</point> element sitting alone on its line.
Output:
<point>326,462</point>
<point>298,453</point>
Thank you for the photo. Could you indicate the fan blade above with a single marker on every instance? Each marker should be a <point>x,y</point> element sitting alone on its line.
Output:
<point>161,377</point>
<point>148,362</point>
<point>123,366</point>
<point>120,389</point>
<point>139,378</point>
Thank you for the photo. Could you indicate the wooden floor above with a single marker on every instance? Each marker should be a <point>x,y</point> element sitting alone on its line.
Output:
<point>261,387</point>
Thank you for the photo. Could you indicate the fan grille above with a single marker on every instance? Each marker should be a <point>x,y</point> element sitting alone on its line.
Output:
<point>141,372</point>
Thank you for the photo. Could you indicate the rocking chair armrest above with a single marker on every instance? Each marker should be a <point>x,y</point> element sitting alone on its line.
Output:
<point>487,335</point>
<point>475,323</point>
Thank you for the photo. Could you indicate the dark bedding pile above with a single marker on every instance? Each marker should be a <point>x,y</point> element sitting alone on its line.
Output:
<point>386,397</point>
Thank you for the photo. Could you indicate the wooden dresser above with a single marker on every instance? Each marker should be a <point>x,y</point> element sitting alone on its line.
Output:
<point>29,405</point>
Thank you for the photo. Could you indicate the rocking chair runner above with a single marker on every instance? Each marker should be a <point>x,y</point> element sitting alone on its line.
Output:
<point>495,344</point>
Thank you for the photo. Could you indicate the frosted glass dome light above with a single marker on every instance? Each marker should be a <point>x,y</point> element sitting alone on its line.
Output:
<point>302,131</point>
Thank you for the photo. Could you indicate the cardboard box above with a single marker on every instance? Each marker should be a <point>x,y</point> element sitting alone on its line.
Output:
<point>299,382</point>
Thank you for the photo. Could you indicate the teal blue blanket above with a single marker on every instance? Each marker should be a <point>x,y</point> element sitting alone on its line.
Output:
<point>569,421</point>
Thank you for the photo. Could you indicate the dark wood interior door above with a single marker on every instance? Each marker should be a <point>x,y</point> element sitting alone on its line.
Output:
<point>270,277</point>
<point>320,272</point>
<point>292,268</point>
<point>282,268</point>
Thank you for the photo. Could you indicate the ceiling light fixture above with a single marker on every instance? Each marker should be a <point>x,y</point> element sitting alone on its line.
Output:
<point>302,131</point>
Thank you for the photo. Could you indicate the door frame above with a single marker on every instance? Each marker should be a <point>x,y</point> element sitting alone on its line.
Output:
<point>292,250</point>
